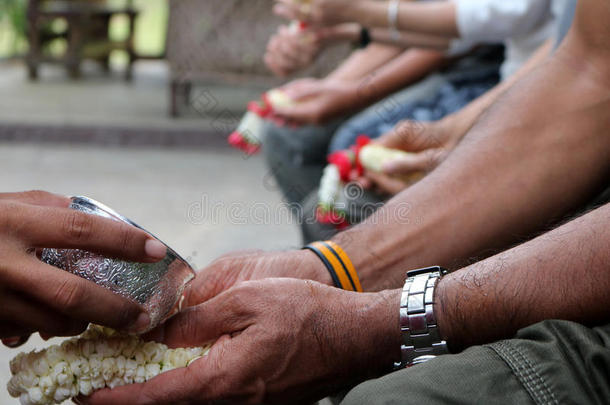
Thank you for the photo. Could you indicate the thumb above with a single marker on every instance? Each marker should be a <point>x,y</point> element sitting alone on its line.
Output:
<point>303,113</point>
<point>178,386</point>
<point>408,135</point>
<point>303,90</point>
<point>416,162</point>
<point>207,322</point>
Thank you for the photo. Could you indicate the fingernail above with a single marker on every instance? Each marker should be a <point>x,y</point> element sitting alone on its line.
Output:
<point>11,342</point>
<point>155,249</point>
<point>141,324</point>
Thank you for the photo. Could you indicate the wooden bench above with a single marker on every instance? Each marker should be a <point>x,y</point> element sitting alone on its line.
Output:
<point>223,41</point>
<point>86,34</point>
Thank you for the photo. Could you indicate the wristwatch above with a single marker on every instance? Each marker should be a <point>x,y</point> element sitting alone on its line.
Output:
<point>421,340</point>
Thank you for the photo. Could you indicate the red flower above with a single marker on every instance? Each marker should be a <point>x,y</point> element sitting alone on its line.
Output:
<point>343,161</point>
<point>331,217</point>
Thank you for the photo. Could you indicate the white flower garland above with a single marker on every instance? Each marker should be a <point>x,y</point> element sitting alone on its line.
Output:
<point>98,358</point>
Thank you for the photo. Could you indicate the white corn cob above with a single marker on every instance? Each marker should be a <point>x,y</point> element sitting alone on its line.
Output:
<point>98,358</point>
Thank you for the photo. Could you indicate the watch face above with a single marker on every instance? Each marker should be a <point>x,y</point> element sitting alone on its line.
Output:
<point>433,269</point>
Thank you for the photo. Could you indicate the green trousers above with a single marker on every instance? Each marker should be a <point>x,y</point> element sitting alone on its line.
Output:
<point>553,362</point>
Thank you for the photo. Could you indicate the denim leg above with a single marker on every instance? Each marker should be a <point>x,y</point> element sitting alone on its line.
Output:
<point>382,116</point>
<point>296,157</point>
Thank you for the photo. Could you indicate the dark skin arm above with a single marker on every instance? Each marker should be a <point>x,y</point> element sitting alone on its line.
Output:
<point>564,274</point>
<point>343,95</point>
<point>294,341</point>
<point>433,141</point>
<point>478,201</point>
<point>553,123</point>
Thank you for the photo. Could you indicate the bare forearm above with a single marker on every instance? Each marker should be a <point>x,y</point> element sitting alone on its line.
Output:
<point>434,17</point>
<point>350,32</point>
<point>365,61</point>
<point>564,274</point>
<point>541,151</point>
<point>411,39</point>
<point>461,121</point>
<point>404,70</point>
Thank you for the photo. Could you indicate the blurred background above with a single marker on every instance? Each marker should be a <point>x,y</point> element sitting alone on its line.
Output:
<point>130,102</point>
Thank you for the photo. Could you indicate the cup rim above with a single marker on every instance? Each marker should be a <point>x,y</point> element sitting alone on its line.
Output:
<point>90,203</point>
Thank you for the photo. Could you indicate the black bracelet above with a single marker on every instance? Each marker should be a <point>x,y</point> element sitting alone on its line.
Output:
<point>329,266</point>
<point>365,37</point>
<point>337,262</point>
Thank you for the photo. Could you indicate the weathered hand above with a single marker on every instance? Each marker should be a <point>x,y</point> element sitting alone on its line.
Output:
<point>279,341</point>
<point>430,143</point>
<point>37,297</point>
<point>317,12</point>
<point>234,268</point>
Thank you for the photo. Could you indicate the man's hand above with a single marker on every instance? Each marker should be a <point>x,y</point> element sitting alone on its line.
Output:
<point>37,297</point>
<point>234,268</point>
<point>319,101</point>
<point>289,51</point>
<point>317,12</point>
<point>431,143</point>
<point>277,341</point>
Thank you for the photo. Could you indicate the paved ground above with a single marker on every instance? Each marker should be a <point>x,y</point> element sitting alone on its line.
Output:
<point>201,199</point>
<point>109,110</point>
<point>202,203</point>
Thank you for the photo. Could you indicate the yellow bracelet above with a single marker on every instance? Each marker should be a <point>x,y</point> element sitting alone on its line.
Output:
<point>338,264</point>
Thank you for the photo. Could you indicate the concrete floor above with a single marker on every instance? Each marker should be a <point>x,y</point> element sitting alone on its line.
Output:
<point>203,204</point>
<point>202,201</point>
<point>107,100</point>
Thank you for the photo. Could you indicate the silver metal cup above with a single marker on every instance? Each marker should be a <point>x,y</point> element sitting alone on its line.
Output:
<point>158,287</point>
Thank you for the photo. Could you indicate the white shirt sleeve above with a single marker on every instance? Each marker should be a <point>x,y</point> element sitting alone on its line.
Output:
<point>492,21</point>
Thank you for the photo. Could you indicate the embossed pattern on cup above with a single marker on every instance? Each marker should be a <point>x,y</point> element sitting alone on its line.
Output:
<point>158,287</point>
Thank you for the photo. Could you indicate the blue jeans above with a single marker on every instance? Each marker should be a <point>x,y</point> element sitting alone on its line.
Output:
<point>429,100</point>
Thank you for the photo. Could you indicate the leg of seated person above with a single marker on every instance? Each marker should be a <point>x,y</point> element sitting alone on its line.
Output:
<point>311,229</point>
<point>429,100</point>
<point>382,116</point>
<point>296,157</point>
<point>360,204</point>
<point>553,362</point>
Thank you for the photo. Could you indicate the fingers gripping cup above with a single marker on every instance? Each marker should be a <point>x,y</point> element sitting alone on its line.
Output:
<point>158,287</point>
